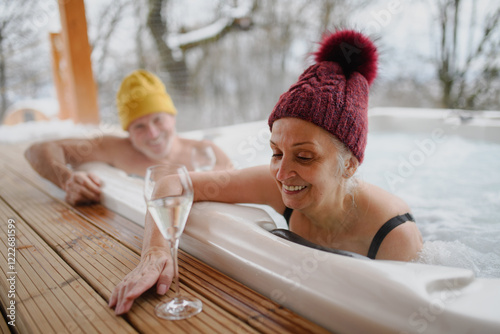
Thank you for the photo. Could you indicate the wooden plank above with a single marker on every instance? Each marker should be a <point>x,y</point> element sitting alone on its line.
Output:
<point>14,153</point>
<point>117,226</point>
<point>213,318</point>
<point>4,328</point>
<point>49,295</point>
<point>22,323</point>
<point>99,260</point>
<point>69,234</point>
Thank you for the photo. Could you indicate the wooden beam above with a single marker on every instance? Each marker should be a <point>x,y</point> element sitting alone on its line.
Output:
<point>81,87</point>
<point>60,75</point>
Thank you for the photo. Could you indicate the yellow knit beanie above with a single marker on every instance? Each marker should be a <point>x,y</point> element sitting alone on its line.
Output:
<point>142,93</point>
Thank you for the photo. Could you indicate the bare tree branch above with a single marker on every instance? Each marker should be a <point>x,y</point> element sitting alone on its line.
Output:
<point>175,67</point>
<point>18,30</point>
<point>108,21</point>
<point>465,83</point>
<point>231,18</point>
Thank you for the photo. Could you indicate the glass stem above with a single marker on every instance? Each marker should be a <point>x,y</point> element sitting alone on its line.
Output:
<point>174,245</point>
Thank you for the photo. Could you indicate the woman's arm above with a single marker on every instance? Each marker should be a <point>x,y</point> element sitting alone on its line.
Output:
<point>402,244</point>
<point>249,185</point>
<point>155,267</point>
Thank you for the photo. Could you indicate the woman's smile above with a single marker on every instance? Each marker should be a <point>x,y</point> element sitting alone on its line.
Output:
<point>293,189</point>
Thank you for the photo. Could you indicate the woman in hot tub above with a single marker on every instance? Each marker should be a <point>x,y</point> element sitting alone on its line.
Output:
<point>318,137</point>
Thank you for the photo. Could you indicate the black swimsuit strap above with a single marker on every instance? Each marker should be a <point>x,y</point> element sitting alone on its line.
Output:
<point>381,233</point>
<point>384,230</point>
<point>287,214</point>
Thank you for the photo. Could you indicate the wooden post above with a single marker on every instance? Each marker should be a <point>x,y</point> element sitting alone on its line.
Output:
<point>80,86</point>
<point>60,74</point>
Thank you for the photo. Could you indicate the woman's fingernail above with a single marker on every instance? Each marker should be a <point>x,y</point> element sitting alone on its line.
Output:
<point>162,289</point>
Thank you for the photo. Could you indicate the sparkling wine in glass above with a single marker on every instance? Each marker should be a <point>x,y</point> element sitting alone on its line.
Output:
<point>169,196</point>
<point>203,158</point>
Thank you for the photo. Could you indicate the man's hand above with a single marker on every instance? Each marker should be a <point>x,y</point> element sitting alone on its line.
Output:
<point>82,188</point>
<point>156,266</point>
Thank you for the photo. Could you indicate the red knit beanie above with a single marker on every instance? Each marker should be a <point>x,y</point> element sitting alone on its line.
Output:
<point>333,93</point>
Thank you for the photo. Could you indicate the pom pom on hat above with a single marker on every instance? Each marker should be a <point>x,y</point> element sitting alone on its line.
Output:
<point>333,93</point>
<point>353,51</point>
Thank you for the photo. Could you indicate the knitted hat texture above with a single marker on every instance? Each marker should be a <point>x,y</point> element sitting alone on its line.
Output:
<point>142,93</point>
<point>333,93</point>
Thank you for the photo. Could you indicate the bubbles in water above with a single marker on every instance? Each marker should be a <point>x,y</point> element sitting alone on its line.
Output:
<point>456,254</point>
<point>453,193</point>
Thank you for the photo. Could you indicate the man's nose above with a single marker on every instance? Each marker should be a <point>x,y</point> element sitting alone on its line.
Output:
<point>152,131</point>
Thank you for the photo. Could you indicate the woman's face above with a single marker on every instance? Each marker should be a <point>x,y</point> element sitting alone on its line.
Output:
<point>304,163</point>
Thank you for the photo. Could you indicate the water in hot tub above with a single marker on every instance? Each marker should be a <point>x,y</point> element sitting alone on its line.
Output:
<point>452,185</point>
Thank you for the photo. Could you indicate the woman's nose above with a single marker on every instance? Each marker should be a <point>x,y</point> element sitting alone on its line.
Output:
<point>284,170</point>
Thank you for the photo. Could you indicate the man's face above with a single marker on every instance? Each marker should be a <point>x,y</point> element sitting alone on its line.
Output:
<point>153,134</point>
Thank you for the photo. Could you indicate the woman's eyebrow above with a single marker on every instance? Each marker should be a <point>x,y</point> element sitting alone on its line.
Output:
<point>296,144</point>
<point>304,143</point>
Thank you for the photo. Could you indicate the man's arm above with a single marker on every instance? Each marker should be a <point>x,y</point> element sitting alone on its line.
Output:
<point>54,160</point>
<point>48,160</point>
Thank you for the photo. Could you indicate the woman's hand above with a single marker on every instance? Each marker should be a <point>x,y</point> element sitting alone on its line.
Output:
<point>156,266</point>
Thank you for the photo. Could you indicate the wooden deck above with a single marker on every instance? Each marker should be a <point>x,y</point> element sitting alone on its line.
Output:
<point>69,259</point>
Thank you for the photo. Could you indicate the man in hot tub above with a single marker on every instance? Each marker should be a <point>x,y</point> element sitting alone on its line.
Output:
<point>147,112</point>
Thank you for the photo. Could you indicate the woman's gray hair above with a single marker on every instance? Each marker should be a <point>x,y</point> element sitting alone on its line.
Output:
<point>344,154</point>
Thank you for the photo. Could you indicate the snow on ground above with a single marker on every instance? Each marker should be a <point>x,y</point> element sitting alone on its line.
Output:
<point>54,129</point>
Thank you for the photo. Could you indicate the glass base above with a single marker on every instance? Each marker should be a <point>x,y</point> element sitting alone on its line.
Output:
<point>177,308</point>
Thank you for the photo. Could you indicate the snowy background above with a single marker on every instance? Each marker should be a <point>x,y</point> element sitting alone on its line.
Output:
<point>243,54</point>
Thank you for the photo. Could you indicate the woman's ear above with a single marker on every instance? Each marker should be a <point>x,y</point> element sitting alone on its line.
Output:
<point>351,165</point>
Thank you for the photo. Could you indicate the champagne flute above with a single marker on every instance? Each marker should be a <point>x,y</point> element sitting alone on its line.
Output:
<point>203,158</point>
<point>169,196</point>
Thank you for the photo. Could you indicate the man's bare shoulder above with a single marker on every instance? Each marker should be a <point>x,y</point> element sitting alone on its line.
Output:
<point>115,140</point>
<point>223,161</point>
<point>119,146</point>
<point>188,142</point>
